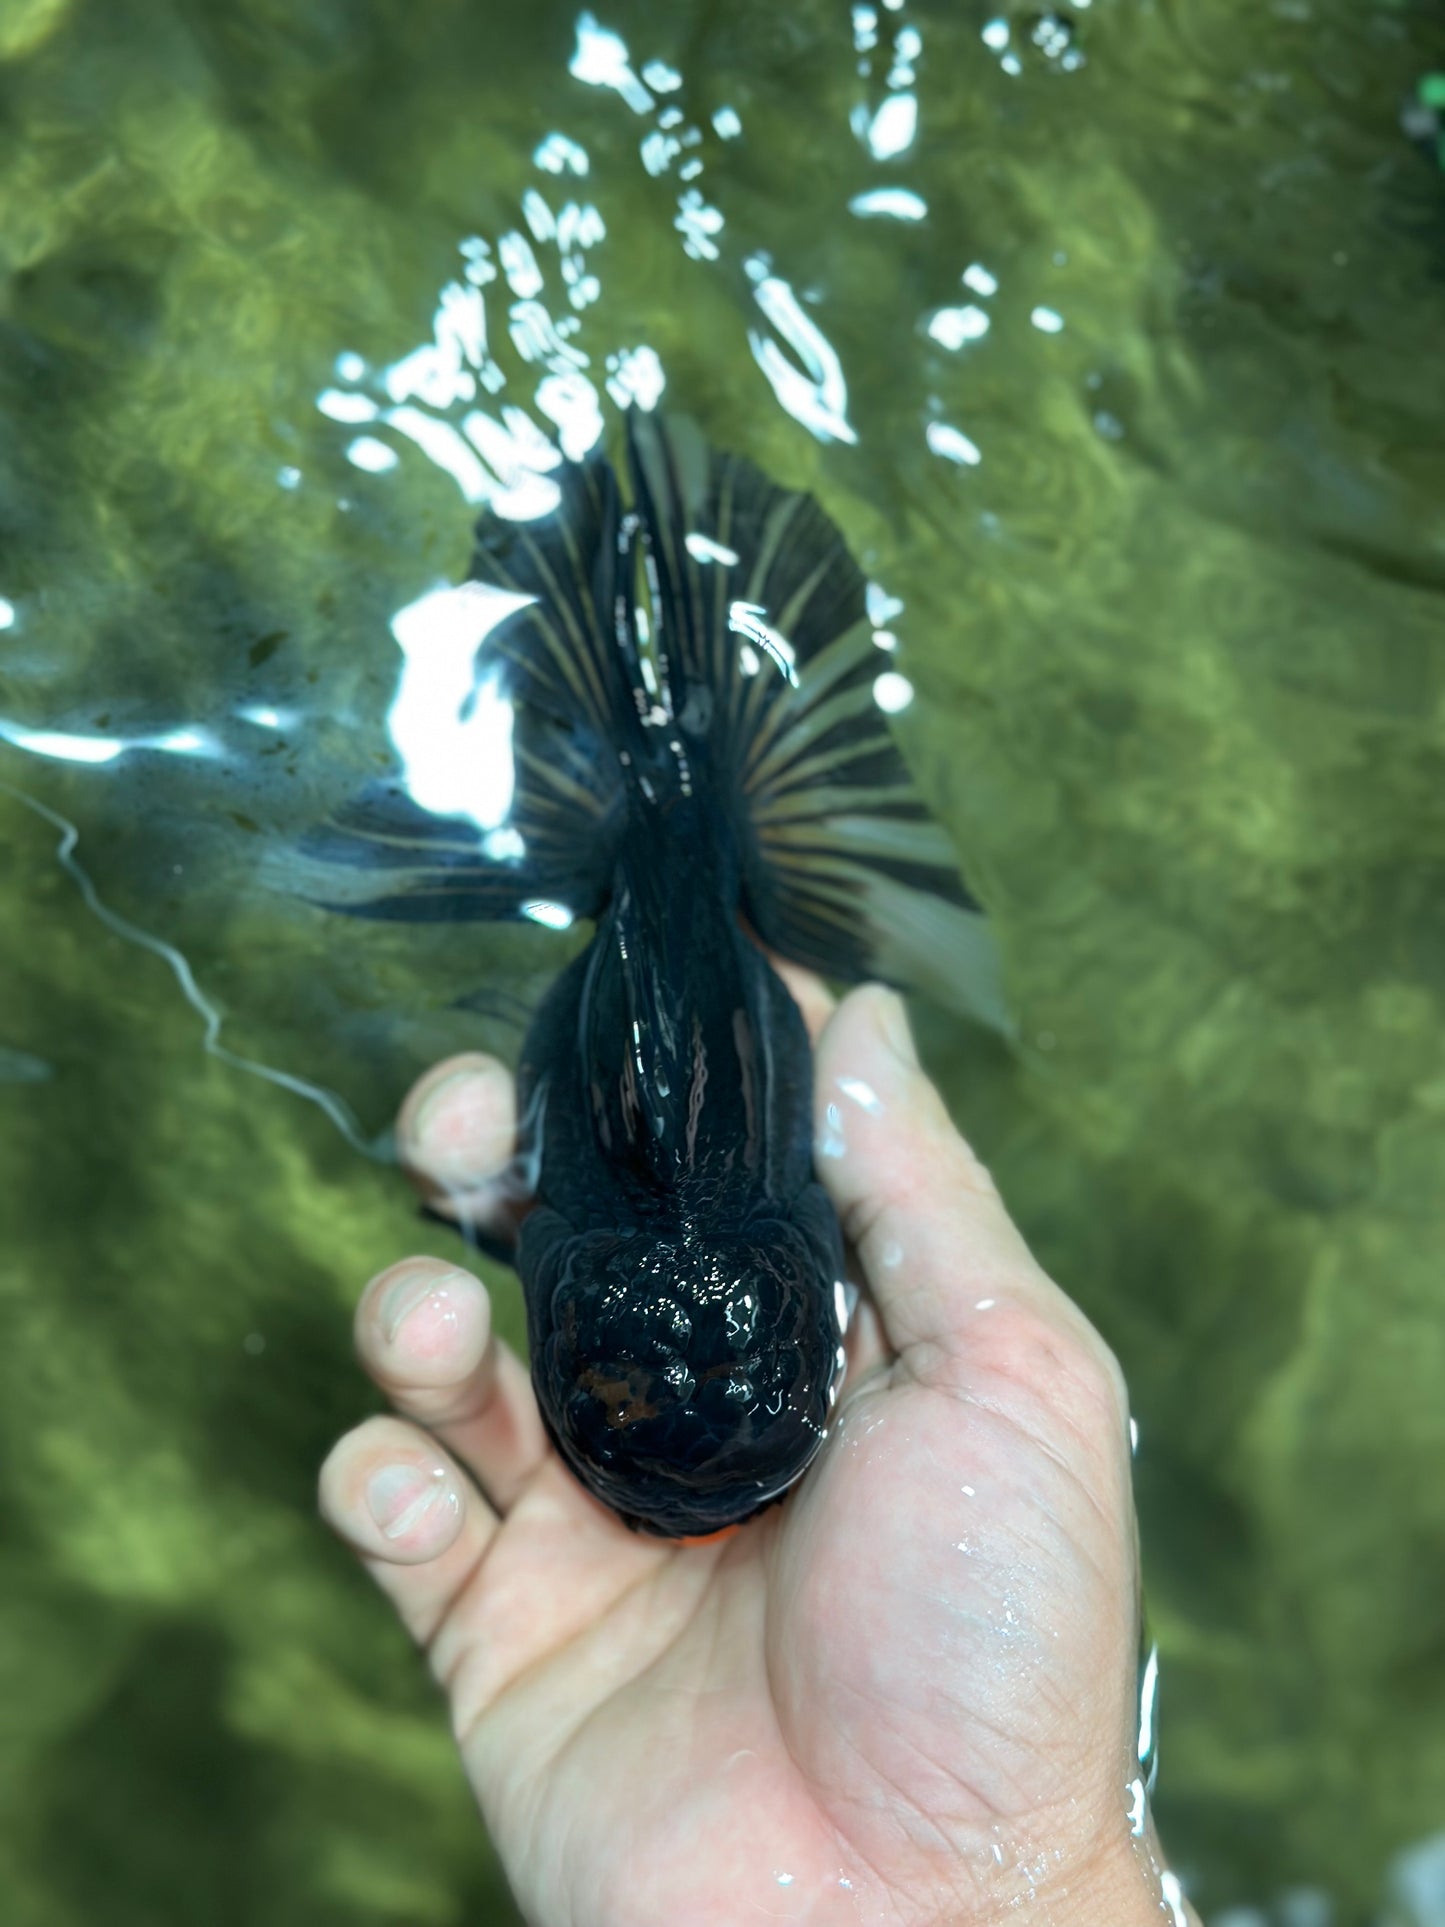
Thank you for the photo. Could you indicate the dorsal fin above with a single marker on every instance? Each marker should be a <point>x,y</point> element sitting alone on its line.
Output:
<point>763,631</point>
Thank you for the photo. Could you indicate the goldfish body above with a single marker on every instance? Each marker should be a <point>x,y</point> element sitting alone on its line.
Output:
<point>701,769</point>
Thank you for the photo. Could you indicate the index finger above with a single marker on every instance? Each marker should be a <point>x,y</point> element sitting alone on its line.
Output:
<point>809,993</point>
<point>960,1293</point>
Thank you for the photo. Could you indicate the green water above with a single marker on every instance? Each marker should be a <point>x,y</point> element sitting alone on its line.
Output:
<point>1179,652</point>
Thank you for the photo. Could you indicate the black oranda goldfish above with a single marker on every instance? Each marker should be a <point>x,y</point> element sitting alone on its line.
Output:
<point>701,769</point>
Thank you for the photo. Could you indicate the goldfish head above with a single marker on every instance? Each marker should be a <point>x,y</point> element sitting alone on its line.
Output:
<point>687,1380</point>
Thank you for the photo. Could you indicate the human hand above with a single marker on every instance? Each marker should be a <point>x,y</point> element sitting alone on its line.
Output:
<point>907,1694</point>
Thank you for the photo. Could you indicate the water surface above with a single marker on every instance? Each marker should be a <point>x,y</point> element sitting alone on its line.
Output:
<point>1110,336</point>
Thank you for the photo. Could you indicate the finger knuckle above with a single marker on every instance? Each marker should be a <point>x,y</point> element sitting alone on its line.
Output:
<point>1068,1370</point>
<point>968,1171</point>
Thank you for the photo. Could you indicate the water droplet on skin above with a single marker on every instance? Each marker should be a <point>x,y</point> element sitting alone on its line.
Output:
<point>891,1256</point>
<point>1173,1890</point>
<point>969,1491</point>
<point>861,1094</point>
<point>1136,1809</point>
<point>831,1143</point>
<point>784,1879</point>
<point>985,1304</point>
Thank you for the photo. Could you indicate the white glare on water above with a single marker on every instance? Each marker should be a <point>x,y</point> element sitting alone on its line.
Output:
<point>64,747</point>
<point>537,337</point>
<point>571,403</point>
<point>519,264</point>
<point>892,692</point>
<point>601,60</point>
<point>882,607</point>
<point>519,492</point>
<point>1172,1889</point>
<point>1148,1703</point>
<point>697,223</point>
<point>952,444</point>
<point>555,916</point>
<point>345,405</point>
<point>366,452</point>
<point>442,445</point>
<point>452,732</point>
<point>891,203</point>
<point>68,749</point>
<point>659,151</point>
<point>635,375</point>
<point>702,548</point>
<point>559,155</point>
<point>538,215</point>
<point>819,399</point>
<point>477,253</point>
<point>893,127</point>
<point>1138,1808</point>
<point>952,327</point>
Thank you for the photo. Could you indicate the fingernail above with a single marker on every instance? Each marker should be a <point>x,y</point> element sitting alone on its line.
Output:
<point>399,1497</point>
<point>404,1294</point>
<point>894,1029</point>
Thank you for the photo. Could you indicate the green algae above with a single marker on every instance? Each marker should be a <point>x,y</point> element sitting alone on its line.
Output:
<point>1179,649</point>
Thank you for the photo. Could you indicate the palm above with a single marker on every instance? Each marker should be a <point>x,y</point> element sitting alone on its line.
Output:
<point>860,1689</point>
<point>905,1694</point>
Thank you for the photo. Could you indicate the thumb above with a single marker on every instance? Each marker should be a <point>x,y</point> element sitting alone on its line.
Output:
<point>948,1270</point>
